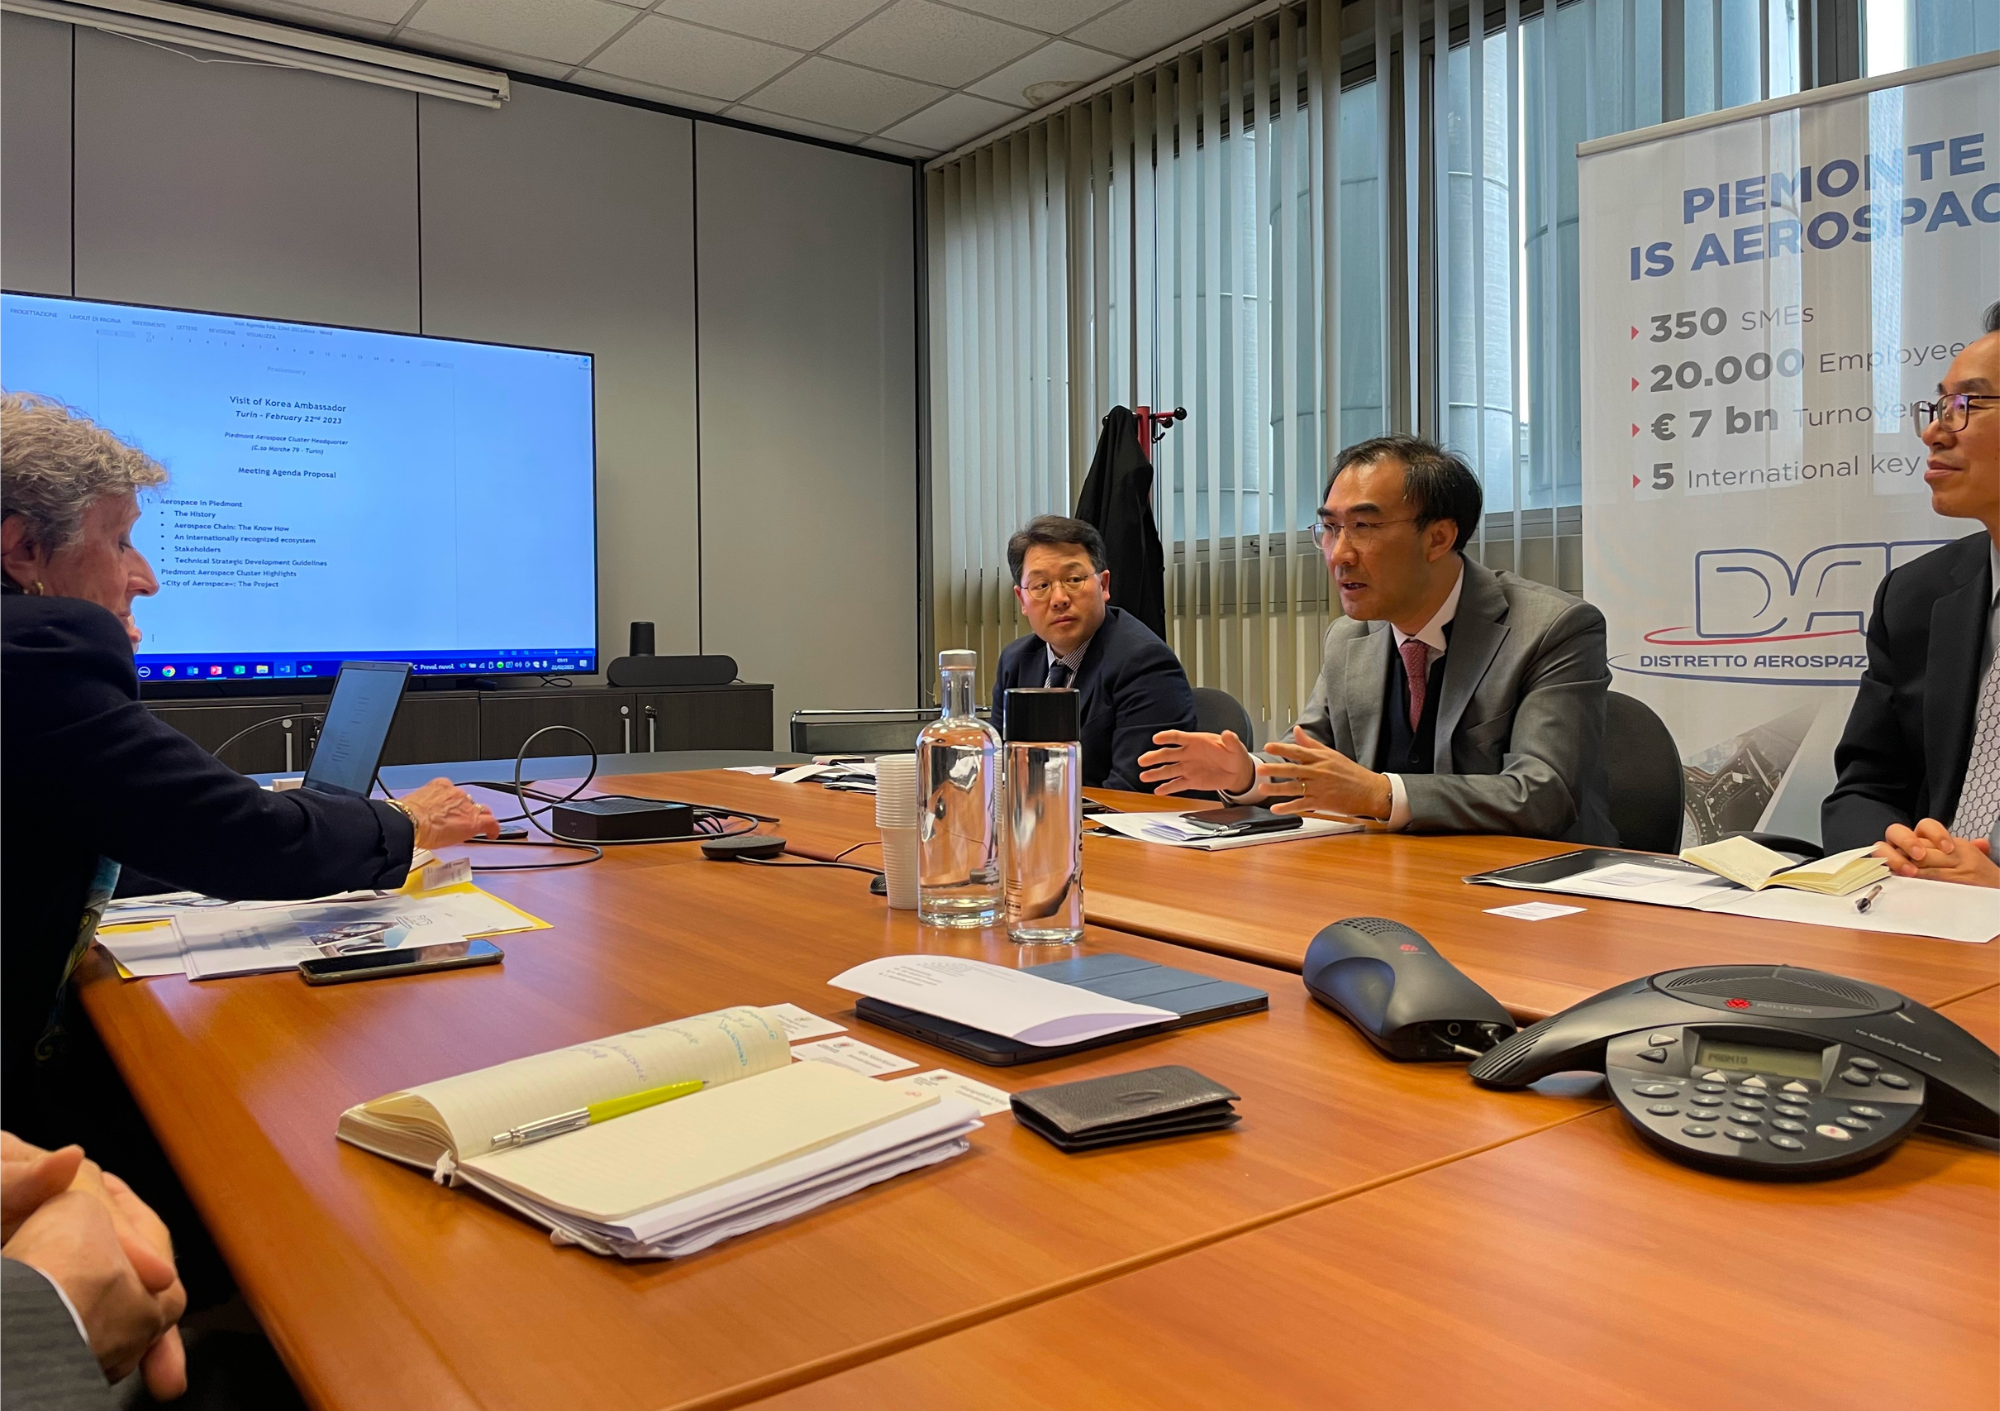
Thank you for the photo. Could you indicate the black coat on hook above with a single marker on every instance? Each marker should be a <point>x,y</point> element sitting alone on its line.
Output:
<point>1117,500</point>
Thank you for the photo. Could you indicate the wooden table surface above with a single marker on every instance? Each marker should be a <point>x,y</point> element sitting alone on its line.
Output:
<point>382,1289</point>
<point>1572,1269</point>
<point>1267,903</point>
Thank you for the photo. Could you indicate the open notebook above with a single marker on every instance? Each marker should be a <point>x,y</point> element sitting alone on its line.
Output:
<point>763,1140</point>
<point>1755,866</point>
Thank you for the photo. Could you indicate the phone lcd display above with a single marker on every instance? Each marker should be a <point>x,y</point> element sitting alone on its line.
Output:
<point>1786,1062</point>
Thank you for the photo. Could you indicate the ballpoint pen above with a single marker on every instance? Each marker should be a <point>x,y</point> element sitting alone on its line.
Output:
<point>588,1116</point>
<point>1863,902</point>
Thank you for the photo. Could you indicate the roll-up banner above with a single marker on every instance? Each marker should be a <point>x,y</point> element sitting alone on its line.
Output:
<point>1764,294</point>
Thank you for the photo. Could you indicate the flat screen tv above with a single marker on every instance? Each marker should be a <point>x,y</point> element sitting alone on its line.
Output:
<point>336,494</point>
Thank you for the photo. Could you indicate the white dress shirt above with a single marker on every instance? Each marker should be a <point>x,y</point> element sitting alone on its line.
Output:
<point>1431,634</point>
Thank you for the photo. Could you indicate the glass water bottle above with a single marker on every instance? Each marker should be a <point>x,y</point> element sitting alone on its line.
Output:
<point>1041,815</point>
<point>958,777</point>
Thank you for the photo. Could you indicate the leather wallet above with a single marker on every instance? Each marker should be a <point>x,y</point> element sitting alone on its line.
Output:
<point>1125,1107</point>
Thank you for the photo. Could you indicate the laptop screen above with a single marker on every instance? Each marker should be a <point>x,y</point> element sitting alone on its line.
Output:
<point>358,717</point>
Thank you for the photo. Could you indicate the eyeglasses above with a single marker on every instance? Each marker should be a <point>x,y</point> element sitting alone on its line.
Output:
<point>1072,585</point>
<point>1950,412</point>
<point>1327,532</point>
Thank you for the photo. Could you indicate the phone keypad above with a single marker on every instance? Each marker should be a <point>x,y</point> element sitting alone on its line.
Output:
<point>1776,1119</point>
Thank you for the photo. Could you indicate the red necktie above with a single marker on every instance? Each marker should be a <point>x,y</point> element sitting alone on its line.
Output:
<point>1416,662</point>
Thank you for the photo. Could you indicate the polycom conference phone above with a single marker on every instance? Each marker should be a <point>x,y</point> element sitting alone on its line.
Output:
<point>1765,1070</point>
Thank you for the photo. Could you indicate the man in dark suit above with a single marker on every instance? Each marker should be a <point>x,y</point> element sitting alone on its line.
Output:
<point>1453,699</point>
<point>1130,682</point>
<point>1919,764</point>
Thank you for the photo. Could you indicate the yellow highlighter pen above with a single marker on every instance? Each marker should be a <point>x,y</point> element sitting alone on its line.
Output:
<point>596,1112</point>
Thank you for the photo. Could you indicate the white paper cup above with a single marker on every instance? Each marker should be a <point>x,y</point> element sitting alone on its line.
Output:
<point>896,791</point>
<point>899,863</point>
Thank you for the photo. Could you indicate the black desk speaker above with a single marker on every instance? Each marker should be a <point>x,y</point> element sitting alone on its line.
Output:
<point>671,671</point>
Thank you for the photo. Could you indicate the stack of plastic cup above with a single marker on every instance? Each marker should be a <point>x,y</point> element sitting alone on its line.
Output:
<point>896,812</point>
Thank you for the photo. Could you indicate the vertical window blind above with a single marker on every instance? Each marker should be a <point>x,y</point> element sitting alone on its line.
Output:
<point>1314,224</point>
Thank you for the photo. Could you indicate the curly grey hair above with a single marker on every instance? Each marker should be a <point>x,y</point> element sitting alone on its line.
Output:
<point>55,463</point>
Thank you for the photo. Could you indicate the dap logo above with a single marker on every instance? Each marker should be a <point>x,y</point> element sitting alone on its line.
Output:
<point>1762,620</point>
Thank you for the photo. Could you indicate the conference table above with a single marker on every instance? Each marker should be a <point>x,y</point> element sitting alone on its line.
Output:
<point>1371,1233</point>
<point>1266,903</point>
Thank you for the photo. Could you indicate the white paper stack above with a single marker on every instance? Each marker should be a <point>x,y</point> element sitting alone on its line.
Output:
<point>1168,830</point>
<point>1011,1003</point>
<point>764,1139</point>
<point>190,935</point>
<point>679,1227</point>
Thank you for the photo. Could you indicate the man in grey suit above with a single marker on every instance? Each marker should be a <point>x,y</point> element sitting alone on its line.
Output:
<point>1452,699</point>
<point>90,1292</point>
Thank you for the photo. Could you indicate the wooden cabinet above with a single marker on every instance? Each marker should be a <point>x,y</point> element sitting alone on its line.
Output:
<point>434,727</point>
<point>702,718</point>
<point>508,718</point>
<point>438,727</point>
<point>280,732</point>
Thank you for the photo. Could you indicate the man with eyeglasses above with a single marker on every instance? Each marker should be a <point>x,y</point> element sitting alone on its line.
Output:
<point>1130,683</point>
<point>1452,699</point>
<point>1919,764</point>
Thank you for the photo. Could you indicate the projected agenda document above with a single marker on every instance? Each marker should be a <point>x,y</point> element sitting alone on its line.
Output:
<point>336,494</point>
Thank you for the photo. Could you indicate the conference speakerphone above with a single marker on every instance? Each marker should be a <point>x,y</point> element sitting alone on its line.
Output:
<point>1765,1070</point>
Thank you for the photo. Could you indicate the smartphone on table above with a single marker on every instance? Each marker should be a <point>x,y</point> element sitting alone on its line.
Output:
<point>409,960</point>
<point>1241,820</point>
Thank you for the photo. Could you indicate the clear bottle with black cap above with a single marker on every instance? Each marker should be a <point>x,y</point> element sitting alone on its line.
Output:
<point>1041,816</point>
<point>958,777</point>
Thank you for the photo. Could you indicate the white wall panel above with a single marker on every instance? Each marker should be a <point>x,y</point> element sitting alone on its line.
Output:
<point>34,153</point>
<point>808,381</point>
<point>243,189</point>
<point>567,222</point>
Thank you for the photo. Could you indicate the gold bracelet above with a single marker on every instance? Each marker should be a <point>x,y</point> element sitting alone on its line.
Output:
<point>415,827</point>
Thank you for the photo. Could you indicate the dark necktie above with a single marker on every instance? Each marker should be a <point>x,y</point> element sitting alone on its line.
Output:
<point>1059,675</point>
<point>1416,663</point>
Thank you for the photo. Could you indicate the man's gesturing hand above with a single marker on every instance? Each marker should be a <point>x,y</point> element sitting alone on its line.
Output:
<point>1188,760</point>
<point>1324,780</point>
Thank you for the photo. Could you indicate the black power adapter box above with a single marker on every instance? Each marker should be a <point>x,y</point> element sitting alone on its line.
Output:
<point>616,820</point>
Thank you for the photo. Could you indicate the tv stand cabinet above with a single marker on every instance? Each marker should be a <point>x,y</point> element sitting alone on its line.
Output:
<point>439,726</point>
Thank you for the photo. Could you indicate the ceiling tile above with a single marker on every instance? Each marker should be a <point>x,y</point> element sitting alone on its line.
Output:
<point>785,123</point>
<point>1141,27</point>
<point>1049,16</point>
<point>959,118</point>
<point>479,54</point>
<point>693,59</point>
<point>563,30</point>
<point>920,40</point>
<point>1060,63</point>
<point>374,18</point>
<point>825,90</point>
<point>897,149</point>
<point>652,92</point>
<point>793,22</point>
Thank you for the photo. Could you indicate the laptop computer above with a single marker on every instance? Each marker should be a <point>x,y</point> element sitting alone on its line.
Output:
<point>358,717</point>
<point>1195,999</point>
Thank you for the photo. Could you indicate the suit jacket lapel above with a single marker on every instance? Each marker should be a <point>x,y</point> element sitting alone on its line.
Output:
<point>1951,680</point>
<point>1364,674</point>
<point>1091,667</point>
<point>1477,631</point>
